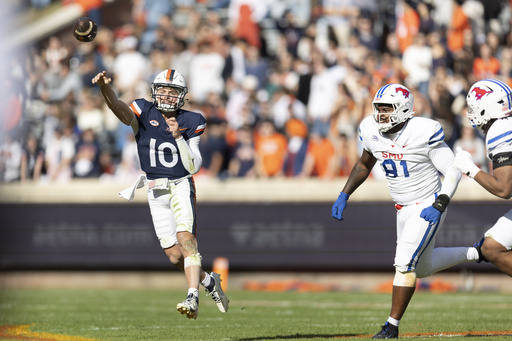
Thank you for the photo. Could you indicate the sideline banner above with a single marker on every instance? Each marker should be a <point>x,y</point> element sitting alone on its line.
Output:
<point>255,236</point>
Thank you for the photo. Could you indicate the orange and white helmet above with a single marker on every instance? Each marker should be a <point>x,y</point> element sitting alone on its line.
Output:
<point>488,99</point>
<point>172,79</point>
<point>402,101</point>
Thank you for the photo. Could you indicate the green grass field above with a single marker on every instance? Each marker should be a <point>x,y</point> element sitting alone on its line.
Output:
<point>126,315</point>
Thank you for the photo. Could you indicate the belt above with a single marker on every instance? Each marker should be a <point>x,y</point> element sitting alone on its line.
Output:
<point>161,183</point>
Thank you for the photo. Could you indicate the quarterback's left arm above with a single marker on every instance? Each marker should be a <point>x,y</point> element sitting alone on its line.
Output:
<point>190,154</point>
<point>442,157</point>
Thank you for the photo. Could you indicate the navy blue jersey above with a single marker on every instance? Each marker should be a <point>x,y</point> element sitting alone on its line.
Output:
<point>157,149</point>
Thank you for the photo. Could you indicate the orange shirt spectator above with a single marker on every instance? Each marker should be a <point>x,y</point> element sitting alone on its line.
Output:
<point>320,158</point>
<point>460,23</point>
<point>485,66</point>
<point>271,148</point>
<point>407,26</point>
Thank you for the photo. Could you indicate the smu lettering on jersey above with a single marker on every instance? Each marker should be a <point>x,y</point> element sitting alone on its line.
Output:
<point>498,142</point>
<point>157,148</point>
<point>411,175</point>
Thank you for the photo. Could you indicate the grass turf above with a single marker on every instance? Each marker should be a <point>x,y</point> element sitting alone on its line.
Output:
<point>126,315</point>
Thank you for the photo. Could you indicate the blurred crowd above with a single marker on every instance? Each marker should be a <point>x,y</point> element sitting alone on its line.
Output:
<point>283,84</point>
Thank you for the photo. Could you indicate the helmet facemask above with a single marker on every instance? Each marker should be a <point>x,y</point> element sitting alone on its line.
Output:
<point>174,93</point>
<point>400,99</point>
<point>169,84</point>
<point>392,117</point>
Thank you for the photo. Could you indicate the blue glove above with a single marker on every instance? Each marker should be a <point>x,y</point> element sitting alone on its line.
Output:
<point>339,206</point>
<point>434,212</point>
<point>431,214</point>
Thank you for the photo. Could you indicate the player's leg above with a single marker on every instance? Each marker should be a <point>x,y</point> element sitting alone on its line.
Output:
<point>404,282</point>
<point>211,282</point>
<point>497,245</point>
<point>498,255</point>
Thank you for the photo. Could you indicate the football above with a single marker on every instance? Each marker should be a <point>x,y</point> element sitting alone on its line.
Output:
<point>84,29</point>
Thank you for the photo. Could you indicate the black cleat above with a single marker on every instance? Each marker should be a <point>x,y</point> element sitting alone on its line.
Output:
<point>388,331</point>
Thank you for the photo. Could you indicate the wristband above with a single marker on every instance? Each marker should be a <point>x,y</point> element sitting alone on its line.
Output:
<point>441,202</point>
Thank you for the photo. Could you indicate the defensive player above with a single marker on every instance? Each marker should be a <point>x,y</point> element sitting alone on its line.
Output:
<point>411,151</point>
<point>490,109</point>
<point>168,147</point>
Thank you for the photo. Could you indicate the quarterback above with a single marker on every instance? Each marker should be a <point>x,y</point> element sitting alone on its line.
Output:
<point>168,148</point>
<point>490,110</point>
<point>411,152</point>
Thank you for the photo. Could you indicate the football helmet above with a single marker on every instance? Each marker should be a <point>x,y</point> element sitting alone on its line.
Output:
<point>402,101</point>
<point>488,99</point>
<point>171,79</point>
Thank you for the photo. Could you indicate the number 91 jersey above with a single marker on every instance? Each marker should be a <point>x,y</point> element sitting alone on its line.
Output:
<point>404,157</point>
<point>157,148</point>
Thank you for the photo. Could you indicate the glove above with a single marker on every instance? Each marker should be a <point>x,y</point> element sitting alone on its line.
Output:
<point>464,162</point>
<point>433,213</point>
<point>339,206</point>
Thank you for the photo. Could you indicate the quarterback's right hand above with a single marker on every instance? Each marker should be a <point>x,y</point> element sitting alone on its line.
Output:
<point>464,162</point>
<point>101,79</point>
<point>339,206</point>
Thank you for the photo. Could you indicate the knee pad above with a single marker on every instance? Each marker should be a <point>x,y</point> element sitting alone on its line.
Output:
<point>193,260</point>
<point>404,279</point>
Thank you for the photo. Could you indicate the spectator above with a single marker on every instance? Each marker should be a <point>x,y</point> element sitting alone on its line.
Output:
<point>59,156</point>
<point>214,149</point>
<point>474,144</point>
<point>206,72</point>
<point>485,65</point>
<point>297,135</point>
<point>86,163</point>
<point>320,158</point>
<point>129,68</point>
<point>242,161</point>
<point>32,160</point>
<point>417,61</point>
<point>271,149</point>
<point>10,158</point>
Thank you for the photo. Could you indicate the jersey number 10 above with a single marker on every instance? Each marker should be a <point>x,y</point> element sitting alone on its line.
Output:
<point>153,152</point>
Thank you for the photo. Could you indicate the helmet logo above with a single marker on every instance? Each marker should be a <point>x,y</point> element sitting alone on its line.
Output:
<point>479,93</point>
<point>404,92</point>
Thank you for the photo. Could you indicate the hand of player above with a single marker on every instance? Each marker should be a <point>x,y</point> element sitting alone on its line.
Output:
<point>101,79</point>
<point>431,214</point>
<point>173,127</point>
<point>339,206</point>
<point>464,162</point>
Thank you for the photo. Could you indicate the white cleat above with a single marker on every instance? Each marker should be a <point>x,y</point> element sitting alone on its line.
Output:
<point>218,294</point>
<point>189,307</point>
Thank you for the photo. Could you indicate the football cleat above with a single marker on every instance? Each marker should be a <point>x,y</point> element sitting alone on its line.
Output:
<point>189,307</point>
<point>218,294</point>
<point>478,247</point>
<point>388,331</point>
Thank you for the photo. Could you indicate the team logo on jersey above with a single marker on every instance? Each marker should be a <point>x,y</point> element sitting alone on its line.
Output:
<point>375,138</point>
<point>154,123</point>
<point>404,92</point>
<point>479,93</point>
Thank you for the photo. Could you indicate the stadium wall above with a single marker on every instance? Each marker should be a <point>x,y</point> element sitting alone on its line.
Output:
<point>258,225</point>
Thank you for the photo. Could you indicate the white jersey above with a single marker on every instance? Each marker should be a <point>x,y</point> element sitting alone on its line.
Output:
<point>498,139</point>
<point>407,159</point>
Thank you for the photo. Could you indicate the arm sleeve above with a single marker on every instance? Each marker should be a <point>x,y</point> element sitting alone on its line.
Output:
<point>442,157</point>
<point>190,155</point>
